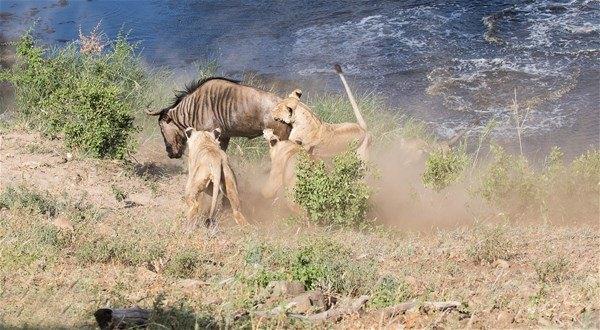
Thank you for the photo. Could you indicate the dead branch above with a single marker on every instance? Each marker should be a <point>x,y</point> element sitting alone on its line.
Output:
<point>399,309</point>
<point>333,314</point>
<point>121,318</point>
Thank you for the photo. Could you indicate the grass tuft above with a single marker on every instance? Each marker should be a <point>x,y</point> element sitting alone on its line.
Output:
<point>490,243</point>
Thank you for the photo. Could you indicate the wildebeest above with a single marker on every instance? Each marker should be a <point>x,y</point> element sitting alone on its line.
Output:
<point>211,103</point>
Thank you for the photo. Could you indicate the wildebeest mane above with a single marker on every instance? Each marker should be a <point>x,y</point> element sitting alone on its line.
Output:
<point>192,86</point>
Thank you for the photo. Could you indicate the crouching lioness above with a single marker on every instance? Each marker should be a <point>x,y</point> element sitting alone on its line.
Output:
<point>319,138</point>
<point>208,164</point>
<point>284,156</point>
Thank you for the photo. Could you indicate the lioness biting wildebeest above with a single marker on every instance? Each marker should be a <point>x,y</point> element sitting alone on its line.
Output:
<point>237,110</point>
<point>211,111</point>
<point>319,138</point>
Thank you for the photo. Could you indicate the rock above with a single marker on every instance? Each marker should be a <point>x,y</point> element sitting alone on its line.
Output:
<point>501,263</point>
<point>69,156</point>
<point>504,318</point>
<point>190,284</point>
<point>215,301</point>
<point>285,288</point>
<point>62,223</point>
<point>308,302</point>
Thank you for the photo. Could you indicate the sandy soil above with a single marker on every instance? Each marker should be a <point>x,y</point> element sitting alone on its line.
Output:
<point>435,264</point>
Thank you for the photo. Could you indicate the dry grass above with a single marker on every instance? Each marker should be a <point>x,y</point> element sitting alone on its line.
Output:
<point>69,245</point>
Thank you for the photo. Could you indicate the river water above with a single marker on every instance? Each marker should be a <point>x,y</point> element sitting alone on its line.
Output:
<point>451,63</point>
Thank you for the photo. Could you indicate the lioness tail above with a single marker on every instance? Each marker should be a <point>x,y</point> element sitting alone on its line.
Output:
<point>359,117</point>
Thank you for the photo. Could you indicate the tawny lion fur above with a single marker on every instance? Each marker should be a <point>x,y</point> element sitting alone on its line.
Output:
<point>284,156</point>
<point>321,139</point>
<point>209,164</point>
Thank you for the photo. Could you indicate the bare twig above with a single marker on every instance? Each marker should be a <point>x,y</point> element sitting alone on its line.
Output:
<point>517,121</point>
<point>429,305</point>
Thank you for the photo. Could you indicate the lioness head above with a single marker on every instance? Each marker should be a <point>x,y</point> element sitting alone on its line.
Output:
<point>201,137</point>
<point>284,110</point>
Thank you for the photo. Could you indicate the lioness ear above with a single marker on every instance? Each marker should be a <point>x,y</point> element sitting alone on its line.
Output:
<point>217,133</point>
<point>296,93</point>
<point>189,131</point>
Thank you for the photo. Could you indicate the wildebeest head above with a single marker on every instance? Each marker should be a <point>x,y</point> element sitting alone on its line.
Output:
<point>284,110</point>
<point>174,137</point>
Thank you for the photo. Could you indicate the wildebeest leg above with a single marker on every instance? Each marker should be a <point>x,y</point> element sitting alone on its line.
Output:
<point>224,142</point>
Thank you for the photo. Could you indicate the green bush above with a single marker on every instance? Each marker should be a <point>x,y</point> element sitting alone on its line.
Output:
<point>183,264</point>
<point>326,264</point>
<point>585,170</point>
<point>181,315</point>
<point>22,197</point>
<point>509,183</point>
<point>90,99</point>
<point>443,167</point>
<point>336,197</point>
<point>490,243</point>
<point>389,291</point>
<point>317,263</point>
<point>553,270</point>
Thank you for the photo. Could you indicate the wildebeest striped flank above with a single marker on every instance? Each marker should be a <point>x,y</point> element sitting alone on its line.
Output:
<point>211,103</point>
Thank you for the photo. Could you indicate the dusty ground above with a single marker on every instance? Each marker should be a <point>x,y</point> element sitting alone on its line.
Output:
<point>531,275</point>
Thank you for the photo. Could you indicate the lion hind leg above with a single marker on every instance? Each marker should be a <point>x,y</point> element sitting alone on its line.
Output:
<point>216,183</point>
<point>193,200</point>
<point>232,195</point>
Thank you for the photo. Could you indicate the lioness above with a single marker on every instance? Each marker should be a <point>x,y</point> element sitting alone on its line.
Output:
<point>283,155</point>
<point>208,164</point>
<point>319,138</point>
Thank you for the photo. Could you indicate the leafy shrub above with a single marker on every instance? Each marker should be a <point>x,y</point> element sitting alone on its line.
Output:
<point>88,98</point>
<point>33,201</point>
<point>553,270</point>
<point>586,171</point>
<point>183,264</point>
<point>389,291</point>
<point>179,316</point>
<point>443,167</point>
<point>318,263</point>
<point>558,191</point>
<point>509,182</point>
<point>323,263</point>
<point>335,197</point>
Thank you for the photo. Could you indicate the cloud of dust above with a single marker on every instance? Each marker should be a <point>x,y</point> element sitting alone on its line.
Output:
<point>401,201</point>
